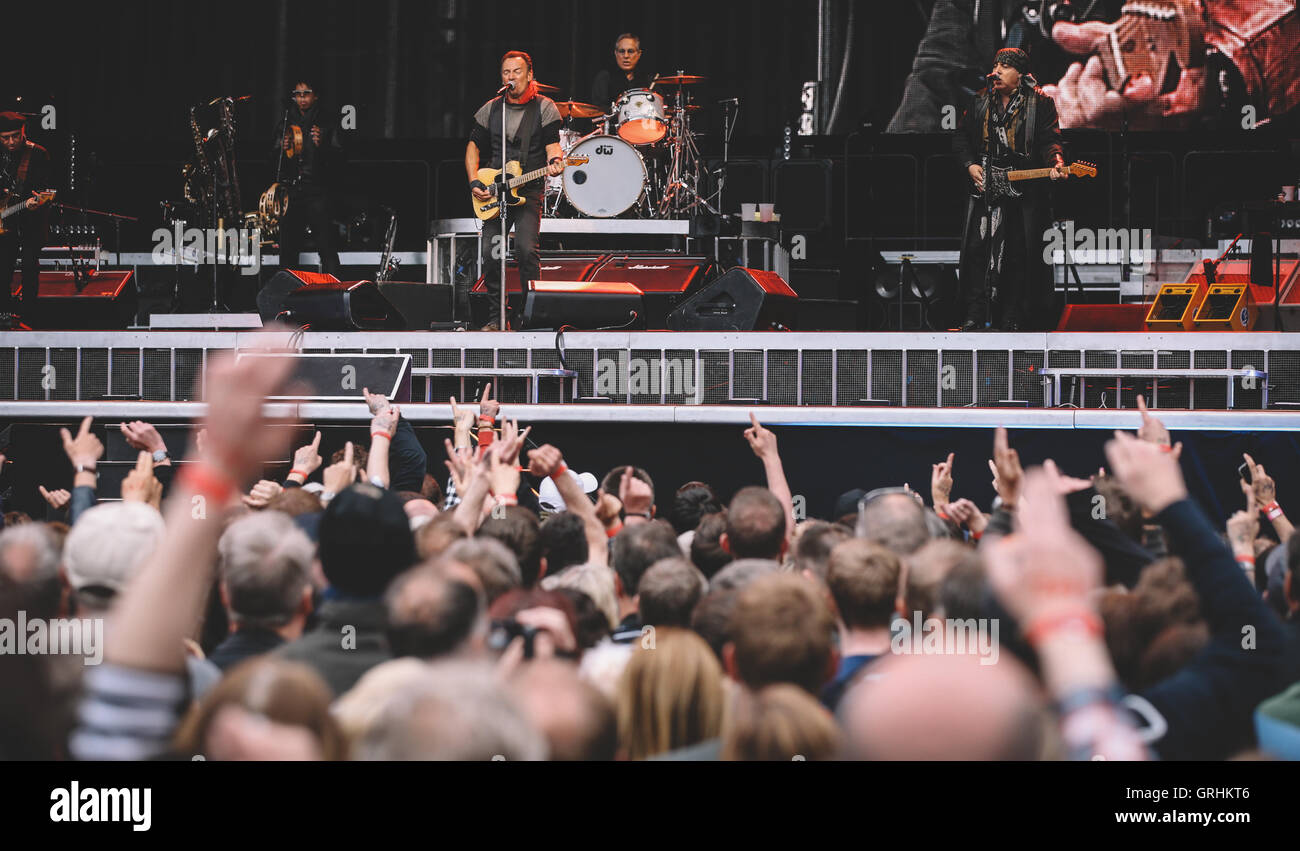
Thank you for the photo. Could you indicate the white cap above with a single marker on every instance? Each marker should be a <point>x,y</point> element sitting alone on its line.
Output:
<point>549,496</point>
<point>110,542</point>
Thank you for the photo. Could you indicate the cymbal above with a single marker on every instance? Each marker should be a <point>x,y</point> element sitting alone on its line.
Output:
<point>576,109</point>
<point>545,89</point>
<point>681,80</point>
<point>690,107</point>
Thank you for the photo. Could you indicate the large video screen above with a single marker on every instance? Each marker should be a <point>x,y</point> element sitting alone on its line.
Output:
<point>1112,65</point>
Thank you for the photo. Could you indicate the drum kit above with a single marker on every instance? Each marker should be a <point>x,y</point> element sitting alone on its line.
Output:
<point>642,159</point>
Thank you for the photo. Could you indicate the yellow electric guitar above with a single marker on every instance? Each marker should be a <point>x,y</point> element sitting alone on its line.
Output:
<point>8,209</point>
<point>491,208</point>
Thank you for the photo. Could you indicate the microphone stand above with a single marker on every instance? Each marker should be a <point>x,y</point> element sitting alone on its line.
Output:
<point>502,207</point>
<point>991,276</point>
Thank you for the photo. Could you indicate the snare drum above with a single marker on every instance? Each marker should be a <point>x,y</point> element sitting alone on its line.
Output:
<point>639,117</point>
<point>612,181</point>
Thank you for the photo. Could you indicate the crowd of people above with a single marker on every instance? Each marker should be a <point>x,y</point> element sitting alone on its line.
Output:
<point>363,608</point>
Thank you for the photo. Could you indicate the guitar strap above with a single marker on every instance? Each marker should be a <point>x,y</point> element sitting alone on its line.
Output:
<point>21,176</point>
<point>1031,114</point>
<point>527,126</point>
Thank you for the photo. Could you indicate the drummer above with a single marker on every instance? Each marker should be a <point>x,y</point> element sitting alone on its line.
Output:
<point>612,81</point>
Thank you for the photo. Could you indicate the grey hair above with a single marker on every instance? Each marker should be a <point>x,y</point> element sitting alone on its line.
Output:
<point>495,565</point>
<point>265,562</point>
<point>41,541</point>
<point>457,711</point>
<point>632,36</point>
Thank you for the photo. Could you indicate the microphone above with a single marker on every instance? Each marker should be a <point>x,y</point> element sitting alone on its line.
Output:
<point>507,87</point>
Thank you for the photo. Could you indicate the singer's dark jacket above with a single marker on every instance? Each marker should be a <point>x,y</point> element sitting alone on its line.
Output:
<point>1036,143</point>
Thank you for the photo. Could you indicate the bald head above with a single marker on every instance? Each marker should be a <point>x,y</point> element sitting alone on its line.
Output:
<point>944,707</point>
<point>895,521</point>
<point>576,719</point>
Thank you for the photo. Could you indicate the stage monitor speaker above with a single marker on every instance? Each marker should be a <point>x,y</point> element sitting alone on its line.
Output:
<point>330,377</point>
<point>270,299</point>
<point>104,300</point>
<point>803,194</point>
<point>1227,307</point>
<point>740,300</point>
<point>419,304</point>
<point>1174,307</point>
<point>342,306</point>
<point>585,305</point>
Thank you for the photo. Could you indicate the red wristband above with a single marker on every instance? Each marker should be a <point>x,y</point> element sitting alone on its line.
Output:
<point>1040,629</point>
<point>385,435</point>
<point>942,516</point>
<point>609,533</point>
<point>1272,511</point>
<point>1250,560</point>
<point>507,499</point>
<point>975,536</point>
<point>302,473</point>
<point>486,436</point>
<point>209,483</point>
<point>560,470</point>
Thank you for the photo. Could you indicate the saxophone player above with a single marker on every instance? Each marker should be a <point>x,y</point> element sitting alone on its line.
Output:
<point>309,143</point>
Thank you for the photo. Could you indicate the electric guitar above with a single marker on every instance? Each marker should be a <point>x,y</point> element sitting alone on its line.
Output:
<point>7,210</point>
<point>1158,38</point>
<point>491,208</point>
<point>999,180</point>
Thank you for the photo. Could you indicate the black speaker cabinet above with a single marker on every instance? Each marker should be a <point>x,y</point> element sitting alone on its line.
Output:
<point>588,305</point>
<point>342,306</point>
<point>740,300</point>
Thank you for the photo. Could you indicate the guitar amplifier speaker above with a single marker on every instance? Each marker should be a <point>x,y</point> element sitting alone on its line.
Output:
<point>1227,307</point>
<point>105,300</point>
<point>1174,307</point>
<point>740,300</point>
<point>584,304</point>
<point>570,267</point>
<point>342,306</point>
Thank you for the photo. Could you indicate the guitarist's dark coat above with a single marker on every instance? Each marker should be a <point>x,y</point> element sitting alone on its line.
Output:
<point>1040,135</point>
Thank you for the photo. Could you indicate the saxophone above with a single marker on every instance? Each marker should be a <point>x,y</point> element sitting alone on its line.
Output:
<point>198,173</point>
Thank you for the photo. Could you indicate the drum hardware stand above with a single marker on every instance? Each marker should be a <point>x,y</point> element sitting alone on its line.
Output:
<point>681,192</point>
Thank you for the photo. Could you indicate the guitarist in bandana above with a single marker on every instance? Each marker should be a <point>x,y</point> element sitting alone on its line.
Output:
<point>1011,125</point>
<point>24,169</point>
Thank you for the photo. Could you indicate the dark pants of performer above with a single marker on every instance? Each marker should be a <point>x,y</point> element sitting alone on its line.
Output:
<point>1012,293</point>
<point>24,246</point>
<point>308,204</point>
<point>526,220</point>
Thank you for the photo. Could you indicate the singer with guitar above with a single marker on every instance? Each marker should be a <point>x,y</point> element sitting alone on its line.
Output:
<point>24,175</point>
<point>1012,124</point>
<point>532,130</point>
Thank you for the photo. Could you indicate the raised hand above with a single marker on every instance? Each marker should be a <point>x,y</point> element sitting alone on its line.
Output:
<point>306,459</point>
<point>142,435</point>
<point>1007,472</point>
<point>376,402</point>
<point>140,485</point>
<point>84,450</point>
<point>462,419</point>
<point>941,482</point>
<point>386,420</point>
<point>262,493</point>
<point>544,461</point>
<point>342,473</point>
<point>1260,482</point>
<point>1150,476</point>
<point>635,494</point>
<point>761,440</point>
<point>57,499</point>
<point>238,439</point>
<point>487,406</point>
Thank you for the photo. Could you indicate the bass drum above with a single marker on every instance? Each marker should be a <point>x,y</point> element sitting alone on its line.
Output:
<point>612,181</point>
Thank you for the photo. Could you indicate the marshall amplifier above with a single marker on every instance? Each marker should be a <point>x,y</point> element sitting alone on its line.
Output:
<point>555,267</point>
<point>664,279</point>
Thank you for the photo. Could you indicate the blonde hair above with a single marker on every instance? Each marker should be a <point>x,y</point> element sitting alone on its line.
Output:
<point>594,580</point>
<point>671,694</point>
<point>780,722</point>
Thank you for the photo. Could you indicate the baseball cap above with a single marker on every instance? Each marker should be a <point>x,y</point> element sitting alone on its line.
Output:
<point>109,543</point>
<point>548,495</point>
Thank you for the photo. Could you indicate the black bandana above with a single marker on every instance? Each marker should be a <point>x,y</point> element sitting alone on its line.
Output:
<point>1012,57</point>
